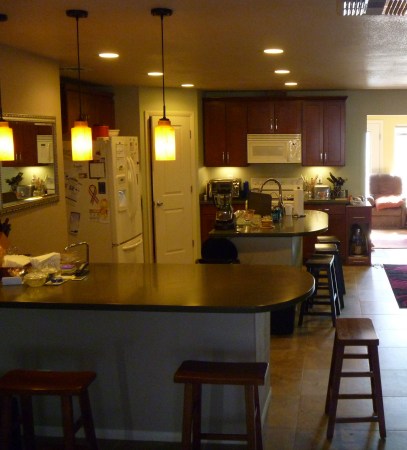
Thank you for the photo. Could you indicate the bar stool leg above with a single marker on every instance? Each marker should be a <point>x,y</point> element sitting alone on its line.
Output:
<point>27,417</point>
<point>196,416</point>
<point>259,437</point>
<point>377,390</point>
<point>68,422</point>
<point>250,420</point>
<point>333,390</point>
<point>5,421</point>
<point>87,419</point>
<point>187,417</point>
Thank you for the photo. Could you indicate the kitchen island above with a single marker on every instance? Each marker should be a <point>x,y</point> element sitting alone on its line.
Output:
<point>134,324</point>
<point>281,244</point>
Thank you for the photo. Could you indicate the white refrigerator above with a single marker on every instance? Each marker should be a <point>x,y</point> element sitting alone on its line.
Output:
<point>104,202</point>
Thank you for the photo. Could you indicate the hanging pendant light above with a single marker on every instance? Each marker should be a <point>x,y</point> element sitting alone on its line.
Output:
<point>81,134</point>
<point>6,138</point>
<point>6,133</point>
<point>164,133</point>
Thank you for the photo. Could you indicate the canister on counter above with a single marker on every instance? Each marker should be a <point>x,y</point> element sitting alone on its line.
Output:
<point>277,214</point>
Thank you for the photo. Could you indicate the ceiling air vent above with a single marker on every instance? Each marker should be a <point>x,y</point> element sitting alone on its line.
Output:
<point>372,7</point>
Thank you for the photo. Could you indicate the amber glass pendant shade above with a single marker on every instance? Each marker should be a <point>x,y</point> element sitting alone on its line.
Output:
<point>81,136</point>
<point>6,142</point>
<point>164,137</point>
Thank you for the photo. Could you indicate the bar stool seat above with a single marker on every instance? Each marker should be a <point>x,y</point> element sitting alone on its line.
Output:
<point>25,384</point>
<point>325,239</point>
<point>355,332</point>
<point>332,249</point>
<point>196,373</point>
<point>321,266</point>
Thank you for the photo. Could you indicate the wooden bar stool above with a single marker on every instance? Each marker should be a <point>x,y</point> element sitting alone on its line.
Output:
<point>355,332</point>
<point>196,373</point>
<point>321,266</point>
<point>332,249</point>
<point>325,239</point>
<point>25,384</point>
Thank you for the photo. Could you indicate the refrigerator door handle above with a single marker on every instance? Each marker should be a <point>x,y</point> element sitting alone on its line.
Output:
<point>132,246</point>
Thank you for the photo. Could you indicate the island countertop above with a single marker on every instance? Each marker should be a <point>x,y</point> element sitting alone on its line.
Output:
<point>171,288</point>
<point>313,222</point>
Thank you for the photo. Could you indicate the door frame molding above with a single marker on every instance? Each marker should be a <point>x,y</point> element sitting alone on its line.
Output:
<point>147,183</point>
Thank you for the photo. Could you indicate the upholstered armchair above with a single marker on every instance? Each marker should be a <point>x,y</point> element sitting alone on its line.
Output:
<point>389,205</point>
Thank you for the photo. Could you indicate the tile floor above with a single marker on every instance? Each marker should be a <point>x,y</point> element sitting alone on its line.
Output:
<point>300,367</point>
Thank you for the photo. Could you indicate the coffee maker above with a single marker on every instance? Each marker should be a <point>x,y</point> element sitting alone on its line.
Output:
<point>224,219</point>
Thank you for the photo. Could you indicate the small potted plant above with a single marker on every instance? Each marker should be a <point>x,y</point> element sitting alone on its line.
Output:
<point>13,182</point>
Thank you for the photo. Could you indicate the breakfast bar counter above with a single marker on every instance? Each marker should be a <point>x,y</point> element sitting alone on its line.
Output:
<point>281,244</point>
<point>134,325</point>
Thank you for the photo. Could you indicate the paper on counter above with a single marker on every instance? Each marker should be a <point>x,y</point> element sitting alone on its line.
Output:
<point>298,206</point>
<point>50,259</point>
<point>15,261</point>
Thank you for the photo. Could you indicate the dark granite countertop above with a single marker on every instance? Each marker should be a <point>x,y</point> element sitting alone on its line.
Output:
<point>290,226</point>
<point>211,288</point>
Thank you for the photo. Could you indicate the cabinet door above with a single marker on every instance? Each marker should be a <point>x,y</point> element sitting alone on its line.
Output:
<point>312,133</point>
<point>236,134</point>
<point>358,216</point>
<point>214,133</point>
<point>208,213</point>
<point>288,117</point>
<point>334,133</point>
<point>260,117</point>
<point>225,133</point>
<point>97,106</point>
<point>25,144</point>
<point>277,116</point>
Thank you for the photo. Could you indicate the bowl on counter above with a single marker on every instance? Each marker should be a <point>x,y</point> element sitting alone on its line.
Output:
<point>35,279</point>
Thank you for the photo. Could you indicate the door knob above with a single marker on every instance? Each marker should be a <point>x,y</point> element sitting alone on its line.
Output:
<point>159,203</point>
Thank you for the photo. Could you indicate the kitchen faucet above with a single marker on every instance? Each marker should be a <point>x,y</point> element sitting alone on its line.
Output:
<point>84,267</point>
<point>280,193</point>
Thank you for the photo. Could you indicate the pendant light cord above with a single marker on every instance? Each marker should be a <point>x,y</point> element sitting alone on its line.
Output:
<point>1,107</point>
<point>162,61</point>
<point>79,69</point>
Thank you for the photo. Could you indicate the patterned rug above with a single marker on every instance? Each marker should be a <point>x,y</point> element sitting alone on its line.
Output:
<point>397,275</point>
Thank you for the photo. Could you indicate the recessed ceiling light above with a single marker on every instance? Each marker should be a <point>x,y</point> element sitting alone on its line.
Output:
<point>273,51</point>
<point>291,83</point>
<point>109,55</point>
<point>187,85</point>
<point>155,74</point>
<point>281,71</point>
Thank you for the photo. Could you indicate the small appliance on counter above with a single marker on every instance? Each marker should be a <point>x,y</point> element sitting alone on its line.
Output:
<point>232,185</point>
<point>322,192</point>
<point>224,219</point>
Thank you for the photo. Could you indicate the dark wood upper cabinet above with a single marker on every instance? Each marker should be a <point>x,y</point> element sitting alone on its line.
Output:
<point>225,131</point>
<point>97,106</point>
<point>274,116</point>
<point>323,132</point>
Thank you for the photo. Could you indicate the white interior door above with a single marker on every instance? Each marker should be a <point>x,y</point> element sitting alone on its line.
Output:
<point>172,198</point>
<point>374,149</point>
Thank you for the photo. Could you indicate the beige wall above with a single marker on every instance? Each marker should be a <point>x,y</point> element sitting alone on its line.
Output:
<point>30,85</point>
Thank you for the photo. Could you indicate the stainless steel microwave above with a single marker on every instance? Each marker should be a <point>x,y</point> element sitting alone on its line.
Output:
<point>274,148</point>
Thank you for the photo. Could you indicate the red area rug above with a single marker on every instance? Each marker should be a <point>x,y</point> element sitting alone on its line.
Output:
<point>397,275</point>
<point>389,238</point>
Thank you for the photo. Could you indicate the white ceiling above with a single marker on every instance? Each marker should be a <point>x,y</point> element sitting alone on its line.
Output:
<point>215,44</point>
